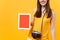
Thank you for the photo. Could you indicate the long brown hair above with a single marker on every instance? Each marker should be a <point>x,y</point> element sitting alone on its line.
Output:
<point>48,9</point>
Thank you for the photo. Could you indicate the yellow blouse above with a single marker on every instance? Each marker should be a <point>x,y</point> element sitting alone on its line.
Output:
<point>43,27</point>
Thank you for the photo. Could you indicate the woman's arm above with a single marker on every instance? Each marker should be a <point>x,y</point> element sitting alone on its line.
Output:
<point>29,35</point>
<point>31,24</point>
<point>32,21</point>
<point>53,26</point>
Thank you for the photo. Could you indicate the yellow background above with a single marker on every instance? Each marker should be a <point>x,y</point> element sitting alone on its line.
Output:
<point>9,10</point>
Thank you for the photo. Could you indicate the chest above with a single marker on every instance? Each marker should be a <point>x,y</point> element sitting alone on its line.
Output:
<point>43,19</point>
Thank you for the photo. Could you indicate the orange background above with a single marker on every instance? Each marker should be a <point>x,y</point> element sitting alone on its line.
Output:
<point>9,10</point>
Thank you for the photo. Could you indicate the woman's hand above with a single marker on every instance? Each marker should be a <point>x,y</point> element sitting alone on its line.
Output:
<point>28,38</point>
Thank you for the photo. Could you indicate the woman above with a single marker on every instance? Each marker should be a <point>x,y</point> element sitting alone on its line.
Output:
<point>43,22</point>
